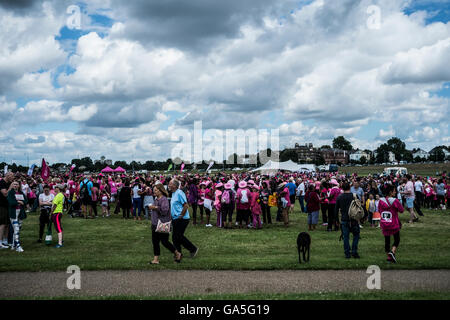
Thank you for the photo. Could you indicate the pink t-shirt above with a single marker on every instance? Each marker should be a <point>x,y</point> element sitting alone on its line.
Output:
<point>334,193</point>
<point>394,208</point>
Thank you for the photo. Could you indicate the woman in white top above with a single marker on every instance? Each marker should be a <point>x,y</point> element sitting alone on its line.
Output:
<point>45,204</point>
<point>137,201</point>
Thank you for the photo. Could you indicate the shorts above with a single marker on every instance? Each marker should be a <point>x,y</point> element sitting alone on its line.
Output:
<point>4,216</point>
<point>409,203</point>
<point>56,219</point>
<point>86,201</point>
<point>292,198</point>
<point>313,217</point>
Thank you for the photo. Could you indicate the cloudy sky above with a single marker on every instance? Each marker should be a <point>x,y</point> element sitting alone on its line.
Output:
<point>134,72</point>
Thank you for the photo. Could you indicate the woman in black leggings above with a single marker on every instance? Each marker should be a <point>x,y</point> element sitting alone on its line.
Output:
<point>161,212</point>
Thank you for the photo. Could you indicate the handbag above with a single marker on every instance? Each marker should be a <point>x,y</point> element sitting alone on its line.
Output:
<point>163,227</point>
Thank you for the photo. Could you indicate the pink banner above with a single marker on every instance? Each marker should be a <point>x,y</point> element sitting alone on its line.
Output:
<point>45,171</point>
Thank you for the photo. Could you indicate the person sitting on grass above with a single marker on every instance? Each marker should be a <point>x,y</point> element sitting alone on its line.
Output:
<point>390,222</point>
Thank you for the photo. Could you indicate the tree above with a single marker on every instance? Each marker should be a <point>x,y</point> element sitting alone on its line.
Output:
<point>326,146</point>
<point>342,143</point>
<point>363,160</point>
<point>437,154</point>
<point>397,147</point>
<point>288,154</point>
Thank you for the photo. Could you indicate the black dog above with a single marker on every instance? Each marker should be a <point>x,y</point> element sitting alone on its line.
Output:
<point>303,245</point>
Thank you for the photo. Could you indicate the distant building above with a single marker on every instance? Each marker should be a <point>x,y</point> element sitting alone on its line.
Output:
<point>306,153</point>
<point>104,161</point>
<point>357,155</point>
<point>335,156</point>
<point>421,154</point>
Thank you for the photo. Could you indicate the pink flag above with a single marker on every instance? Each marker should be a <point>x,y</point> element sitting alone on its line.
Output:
<point>73,167</point>
<point>182,167</point>
<point>45,171</point>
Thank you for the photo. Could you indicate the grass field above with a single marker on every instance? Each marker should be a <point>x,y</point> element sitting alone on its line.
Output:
<point>114,243</point>
<point>422,169</point>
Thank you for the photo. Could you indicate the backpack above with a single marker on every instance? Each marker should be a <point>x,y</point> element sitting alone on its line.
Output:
<point>356,211</point>
<point>84,191</point>
<point>387,221</point>
<point>226,197</point>
<point>244,197</point>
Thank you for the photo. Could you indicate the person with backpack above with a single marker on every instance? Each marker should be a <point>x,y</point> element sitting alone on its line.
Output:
<point>312,206</point>
<point>243,204</point>
<point>349,219</point>
<point>390,223</point>
<point>227,206</point>
<point>255,208</point>
<point>86,197</point>
<point>218,204</point>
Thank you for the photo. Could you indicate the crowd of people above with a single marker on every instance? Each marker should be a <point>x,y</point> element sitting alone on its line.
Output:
<point>245,200</point>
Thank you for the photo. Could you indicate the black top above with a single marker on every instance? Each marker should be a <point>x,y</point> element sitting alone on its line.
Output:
<point>343,203</point>
<point>3,199</point>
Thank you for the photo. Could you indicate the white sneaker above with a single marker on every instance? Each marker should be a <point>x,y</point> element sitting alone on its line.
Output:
<point>2,246</point>
<point>209,225</point>
<point>19,249</point>
<point>361,226</point>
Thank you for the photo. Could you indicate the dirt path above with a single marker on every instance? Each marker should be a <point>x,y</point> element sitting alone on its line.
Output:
<point>168,283</point>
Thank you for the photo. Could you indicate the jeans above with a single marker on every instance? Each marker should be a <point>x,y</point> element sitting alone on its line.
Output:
<point>178,238</point>
<point>302,204</point>
<point>324,207</point>
<point>137,205</point>
<point>267,218</point>
<point>348,227</point>
<point>44,220</point>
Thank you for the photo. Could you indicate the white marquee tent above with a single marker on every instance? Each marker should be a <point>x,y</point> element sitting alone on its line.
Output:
<point>272,167</point>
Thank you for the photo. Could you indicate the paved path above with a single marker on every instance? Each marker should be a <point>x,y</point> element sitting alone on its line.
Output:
<point>168,283</point>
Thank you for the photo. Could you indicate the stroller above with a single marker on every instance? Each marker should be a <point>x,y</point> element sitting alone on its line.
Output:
<point>75,207</point>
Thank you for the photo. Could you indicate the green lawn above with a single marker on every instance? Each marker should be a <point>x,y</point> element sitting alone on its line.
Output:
<point>113,243</point>
<point>421,169</point>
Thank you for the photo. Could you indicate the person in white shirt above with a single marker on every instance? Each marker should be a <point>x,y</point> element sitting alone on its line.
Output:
<point>418,187</point>
<point>301,194</point>
<point>410,197</point>
<point>45,204</point>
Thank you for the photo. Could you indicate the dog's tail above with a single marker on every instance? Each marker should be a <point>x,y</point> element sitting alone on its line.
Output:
<point>299,255</point>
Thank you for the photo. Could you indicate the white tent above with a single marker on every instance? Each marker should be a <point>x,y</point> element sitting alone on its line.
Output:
<point>306,168</point>
<point>271,167</point>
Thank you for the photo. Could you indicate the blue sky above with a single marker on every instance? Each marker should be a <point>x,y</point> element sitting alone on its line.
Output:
<point>148,64</point>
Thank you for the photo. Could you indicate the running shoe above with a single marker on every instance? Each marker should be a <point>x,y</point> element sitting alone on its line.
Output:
<point>58,246</point>
<point>193,254</point>
<point>2,246</point>
<point>19,249</point>
<point>392,255</point>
